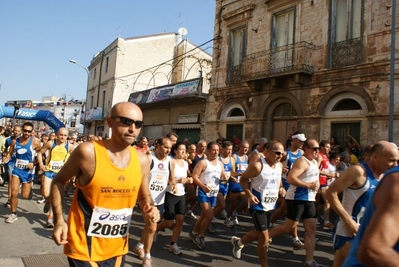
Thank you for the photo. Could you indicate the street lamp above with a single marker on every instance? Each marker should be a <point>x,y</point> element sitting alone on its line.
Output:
<point>87,90</point>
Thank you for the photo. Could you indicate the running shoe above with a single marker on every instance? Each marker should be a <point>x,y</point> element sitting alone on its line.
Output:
<point>200,241</point>
<point>193,236</point>
<point>147,262</point>
<point>235,220</point>
<point>190,214</point>
<point>175,249</point>
<point>223,214</point>
<point>297,245</point>
<point>7,204</point>
<point>41,201</point>
<point>228,223</point>
<point>212,227</point>
<point>313,264</point>
<point>46,207</point>
<point>236,248</point>
<point>11,218</point>
<point>50,224</point>
<point>139,252</point>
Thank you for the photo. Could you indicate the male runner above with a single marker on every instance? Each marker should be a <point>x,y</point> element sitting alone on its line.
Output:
<point>111,177</point>
<point>59,151</point>
<point>23,172</point>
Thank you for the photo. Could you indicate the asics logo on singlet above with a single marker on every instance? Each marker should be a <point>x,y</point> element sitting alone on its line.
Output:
<point>104,216</point>
<point>117,217</point>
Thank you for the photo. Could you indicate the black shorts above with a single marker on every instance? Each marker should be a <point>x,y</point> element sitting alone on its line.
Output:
<point>300,209</point>
<point>261,219</point>
<point>174,205</point>
<point>117,261</point>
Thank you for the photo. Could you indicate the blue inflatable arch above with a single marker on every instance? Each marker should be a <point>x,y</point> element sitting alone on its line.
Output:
<point>34,115</point>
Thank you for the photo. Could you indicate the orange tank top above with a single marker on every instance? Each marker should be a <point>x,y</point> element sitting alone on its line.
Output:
<point>100,213</point>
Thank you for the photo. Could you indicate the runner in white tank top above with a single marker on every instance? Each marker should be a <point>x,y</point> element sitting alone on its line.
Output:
<point>262,193</point>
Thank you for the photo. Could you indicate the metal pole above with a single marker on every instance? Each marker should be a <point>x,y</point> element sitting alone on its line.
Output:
<point>87,92</point>
<point>392,74</point>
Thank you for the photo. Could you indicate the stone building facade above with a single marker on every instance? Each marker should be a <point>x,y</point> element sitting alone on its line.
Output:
<point>320,67</point>
<point>132,65</point>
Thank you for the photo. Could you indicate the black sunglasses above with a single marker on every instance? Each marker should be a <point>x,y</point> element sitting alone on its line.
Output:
<point>277,152</point>
<point>129,122</point>
<point>27,131</point>
<point>315,148</point>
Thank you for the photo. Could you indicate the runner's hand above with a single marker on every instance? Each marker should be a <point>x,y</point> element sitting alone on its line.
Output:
<point>206,189</point>
<point>60,233</point>
<point>352,227</point>
<point>253,200</point>
<point>30,166</point>
<point>151,212</point>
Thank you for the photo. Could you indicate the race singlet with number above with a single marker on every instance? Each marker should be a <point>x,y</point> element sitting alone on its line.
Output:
<point>159,184</point>
<point>56,165</point>
<point>214,190</point>
<point>109,223</point>
<point>21,164</point>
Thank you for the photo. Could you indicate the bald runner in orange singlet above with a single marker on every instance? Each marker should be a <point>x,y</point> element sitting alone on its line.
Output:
<point>112,176</point>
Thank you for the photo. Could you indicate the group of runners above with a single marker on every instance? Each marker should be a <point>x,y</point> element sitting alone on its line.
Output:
<point>169,178</point>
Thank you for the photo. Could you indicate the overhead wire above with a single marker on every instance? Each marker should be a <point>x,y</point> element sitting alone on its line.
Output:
<point>165,62</point>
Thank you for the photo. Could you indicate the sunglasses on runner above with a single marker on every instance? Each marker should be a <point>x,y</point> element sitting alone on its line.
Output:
<point>277,152</point>
<point>129,122</point>
<point>27,131</point>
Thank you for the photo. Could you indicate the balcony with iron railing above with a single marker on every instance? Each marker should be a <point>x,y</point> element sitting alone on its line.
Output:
<point>284,60</point>
<point>346,53</point>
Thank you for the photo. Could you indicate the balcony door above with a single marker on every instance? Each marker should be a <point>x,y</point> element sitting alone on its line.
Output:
<point>282,40</point>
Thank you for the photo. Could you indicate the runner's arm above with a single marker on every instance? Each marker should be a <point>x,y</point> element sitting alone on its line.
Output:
<point>347,179</point>
<point>7,157</point>
<point>42,151</point>
<point>253,170</point>
<point>80,164</point>
<point>382,234</point>
<point>198,169</point>
<point>144,197</point>
<point>299,167</point>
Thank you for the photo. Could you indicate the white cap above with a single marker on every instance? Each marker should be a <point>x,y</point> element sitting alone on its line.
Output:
<point>300,137</point>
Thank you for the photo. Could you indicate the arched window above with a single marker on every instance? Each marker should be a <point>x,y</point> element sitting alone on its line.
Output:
<point>235,112</point>
<point>347,104</point>
<point>284,110</point>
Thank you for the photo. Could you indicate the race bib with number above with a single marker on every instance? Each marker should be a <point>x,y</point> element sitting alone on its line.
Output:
<point>214,190</point>
<point>21,164</point>
<point>107,223</point>
<point>269,199</point>
<point>55,166</point>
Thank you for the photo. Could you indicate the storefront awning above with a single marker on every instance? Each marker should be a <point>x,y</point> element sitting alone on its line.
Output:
<point>186,126</point>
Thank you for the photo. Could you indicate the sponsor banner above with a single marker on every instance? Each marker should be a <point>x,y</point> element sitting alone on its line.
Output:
<point>165,92</point>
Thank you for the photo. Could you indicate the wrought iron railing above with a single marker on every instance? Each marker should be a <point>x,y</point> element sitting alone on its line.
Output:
<point>234,75</point>
<point>346,53</point>
<point>282,60</point>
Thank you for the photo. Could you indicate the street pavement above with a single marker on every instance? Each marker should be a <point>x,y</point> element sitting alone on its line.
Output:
<point>27,238</point>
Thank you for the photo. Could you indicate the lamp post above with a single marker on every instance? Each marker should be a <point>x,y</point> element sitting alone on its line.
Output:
<point>392,74</point>
<point>87,91</point>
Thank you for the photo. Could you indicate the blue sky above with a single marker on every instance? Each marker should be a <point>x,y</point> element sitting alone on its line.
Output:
<point>37,38</point>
